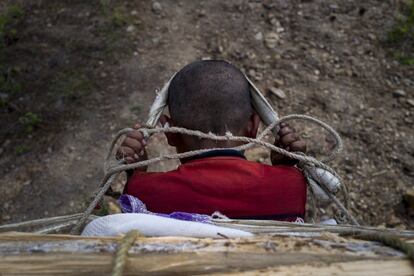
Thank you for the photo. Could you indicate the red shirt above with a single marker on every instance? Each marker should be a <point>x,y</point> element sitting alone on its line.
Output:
<point>231,185</point>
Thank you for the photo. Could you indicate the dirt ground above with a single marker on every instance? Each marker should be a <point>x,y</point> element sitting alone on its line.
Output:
<point>90,68</point>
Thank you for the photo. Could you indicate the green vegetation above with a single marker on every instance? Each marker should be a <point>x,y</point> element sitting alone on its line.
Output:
<point>21,149</point>
<point>30,121</point>
<point>8,23</point>
<point>117,15</point>
<point>9,20</point>
<point>117,18</point>
<point>403,59</point>
<point>71,84</point>
<point>136,109</point>
<point>402,35</point>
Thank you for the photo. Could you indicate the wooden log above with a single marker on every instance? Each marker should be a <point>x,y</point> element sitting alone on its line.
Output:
<point>280,227</point>
<point>35,254</point>
<point>366,268</point>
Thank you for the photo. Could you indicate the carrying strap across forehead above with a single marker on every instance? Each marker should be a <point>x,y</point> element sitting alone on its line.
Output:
<point>263,108</point>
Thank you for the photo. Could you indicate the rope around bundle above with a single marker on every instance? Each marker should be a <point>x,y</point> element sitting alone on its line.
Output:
<point>112,170</point>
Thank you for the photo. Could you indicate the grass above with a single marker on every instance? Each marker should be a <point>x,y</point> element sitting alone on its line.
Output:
<point>21,149</point>
<point>10,19</point>
<point>118,16</point>
<point>30,121</point>
<point>403,59</point>
<point>71,84</point>
<point>401,36</point>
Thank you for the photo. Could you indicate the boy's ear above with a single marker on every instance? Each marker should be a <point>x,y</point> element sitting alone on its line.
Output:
<point>253,125</point>
<point>172,138</point>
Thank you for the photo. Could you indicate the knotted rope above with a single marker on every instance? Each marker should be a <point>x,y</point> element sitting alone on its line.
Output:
<point>122,252</point>
<point>112,170</point>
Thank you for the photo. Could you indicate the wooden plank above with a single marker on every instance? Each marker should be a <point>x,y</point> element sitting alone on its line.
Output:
<point>181,263</point>
<point>366,268</point>
<point>35,254</point>
<point>306,229</point>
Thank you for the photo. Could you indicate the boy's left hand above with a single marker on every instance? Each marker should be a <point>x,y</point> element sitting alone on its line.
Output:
<point>290,141</point>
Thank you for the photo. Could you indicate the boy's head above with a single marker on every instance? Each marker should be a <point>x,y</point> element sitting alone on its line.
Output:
<point>210,95</point>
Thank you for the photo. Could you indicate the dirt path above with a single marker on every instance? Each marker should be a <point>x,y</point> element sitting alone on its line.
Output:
<point>325,57</point>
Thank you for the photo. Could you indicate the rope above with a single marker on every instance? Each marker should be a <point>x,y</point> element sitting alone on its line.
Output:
<point>332,197</point>
<point>112,171</point>
<point>392,241</point>
<point>122,253</point>
<point>108,180</point>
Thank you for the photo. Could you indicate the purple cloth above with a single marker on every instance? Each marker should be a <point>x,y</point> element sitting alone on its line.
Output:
<point>131,204</point>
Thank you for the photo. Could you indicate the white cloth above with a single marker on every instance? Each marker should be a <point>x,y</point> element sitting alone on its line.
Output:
<point>157,226</point>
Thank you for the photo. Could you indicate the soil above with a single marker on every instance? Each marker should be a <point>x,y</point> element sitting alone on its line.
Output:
<point>90,68</point>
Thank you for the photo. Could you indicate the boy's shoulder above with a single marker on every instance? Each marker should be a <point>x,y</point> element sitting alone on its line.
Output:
<point>225,166</point>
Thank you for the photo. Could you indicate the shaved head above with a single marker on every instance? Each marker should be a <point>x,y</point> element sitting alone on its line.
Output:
<point>210,95</point>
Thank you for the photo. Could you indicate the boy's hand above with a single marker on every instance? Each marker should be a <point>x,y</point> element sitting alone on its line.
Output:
<point>132,148</point>
<point>290,141</point>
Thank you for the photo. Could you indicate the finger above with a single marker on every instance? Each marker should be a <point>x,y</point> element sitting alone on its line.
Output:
<point>124,152</point>
<point>134,144</point>
<point>299,145</point>
<point>129,160</point>
<point>137,135</point>
<point>285,130</point>
<point>289,139</point>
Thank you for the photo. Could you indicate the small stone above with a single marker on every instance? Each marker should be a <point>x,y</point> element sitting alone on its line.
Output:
<point>399,93</point>
<point>134,12</point>
<point>27,183</point>
<point>278,92</point>
<point>279,82</point>
<point>409,198</point>
<point>333,7</point>
<point>274,22</point>
<point>258,36</point>
<point>202,13</point>
<point>258,76</point>
<point>410,102</point>
<point>251,73</point>
<point>156,7</point>
<point>130,28</point>
<point>280,29</point>
<point>271,40</point>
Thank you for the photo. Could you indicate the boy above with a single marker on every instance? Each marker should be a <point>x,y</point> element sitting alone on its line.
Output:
<point>214,96</point>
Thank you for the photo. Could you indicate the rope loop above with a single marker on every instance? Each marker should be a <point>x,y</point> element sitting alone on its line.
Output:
<point>305,162</point>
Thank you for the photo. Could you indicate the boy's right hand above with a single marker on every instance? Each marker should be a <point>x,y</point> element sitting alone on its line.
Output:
<point>290,141</point>
<point>132,148</point>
